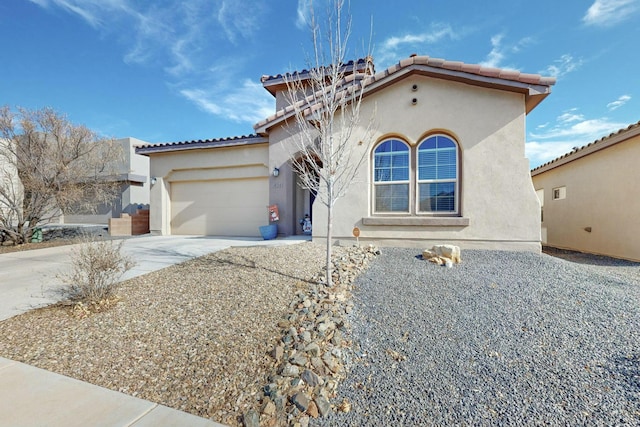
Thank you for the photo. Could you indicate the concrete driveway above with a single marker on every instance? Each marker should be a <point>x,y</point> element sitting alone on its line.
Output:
<point>28,279</point>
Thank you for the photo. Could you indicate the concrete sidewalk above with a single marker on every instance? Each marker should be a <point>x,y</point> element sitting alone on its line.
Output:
<point>31,396</point>
<point>34,397</point>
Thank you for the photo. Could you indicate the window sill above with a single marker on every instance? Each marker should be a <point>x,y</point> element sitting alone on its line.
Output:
<point>412,221</point>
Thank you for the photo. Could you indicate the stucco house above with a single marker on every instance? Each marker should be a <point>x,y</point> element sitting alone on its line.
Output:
<point>591,199</point>
<point>445,164</point>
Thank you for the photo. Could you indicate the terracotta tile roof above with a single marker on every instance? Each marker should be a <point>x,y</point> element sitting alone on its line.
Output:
<point>606,141</point>
<point>360,65</point>
<point>207,143</point>
<point>437,67</point>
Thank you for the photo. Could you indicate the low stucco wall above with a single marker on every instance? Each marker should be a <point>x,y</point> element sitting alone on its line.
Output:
<point>599,213</point>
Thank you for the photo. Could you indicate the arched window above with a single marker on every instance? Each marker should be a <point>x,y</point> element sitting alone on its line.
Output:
<point>437,175</point>
<point>391,172</point>
<point>422,179</point>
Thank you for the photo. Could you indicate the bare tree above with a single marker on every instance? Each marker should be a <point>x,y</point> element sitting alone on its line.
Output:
<point>48,165</point>
<point>326,102</point>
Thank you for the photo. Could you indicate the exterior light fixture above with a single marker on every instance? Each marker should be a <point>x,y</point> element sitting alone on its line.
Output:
<point>276,172</point>
<point>153,180</point>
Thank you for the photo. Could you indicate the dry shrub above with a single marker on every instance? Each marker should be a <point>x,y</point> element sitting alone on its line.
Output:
<point>97,265</point>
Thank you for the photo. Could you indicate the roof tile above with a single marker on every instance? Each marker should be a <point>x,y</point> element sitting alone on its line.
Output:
<point>452,65</point>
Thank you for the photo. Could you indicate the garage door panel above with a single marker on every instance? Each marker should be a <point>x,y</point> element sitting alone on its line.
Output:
<point>224,208</point>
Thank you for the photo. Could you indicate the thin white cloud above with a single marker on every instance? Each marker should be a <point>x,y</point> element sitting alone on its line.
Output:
<point>178,36</point>
<point>570,116</point>
<point>239,18</point>
<point>391,47</point>
<point>249,102</point>
<point>499,51</point>
<point>605,13</point>
<point>302,14</point>
<point>541,152</point>
<point>562,66</point>
<point>586,129</point>
<point>618,102</point>
<point>571,129</point>
<point>91,11</point>
<point>495,57</point>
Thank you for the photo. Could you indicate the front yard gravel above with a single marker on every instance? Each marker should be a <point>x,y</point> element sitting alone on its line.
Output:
<point>503,338</point>
<point>194,336</point>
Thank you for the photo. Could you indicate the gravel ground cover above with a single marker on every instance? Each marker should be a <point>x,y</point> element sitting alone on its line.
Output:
<point>503,338</point>
<point>57,235</point>
<point>194,336</point>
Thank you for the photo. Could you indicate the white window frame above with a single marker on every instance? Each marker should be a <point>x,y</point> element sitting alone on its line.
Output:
<point>559,193</point>
<point>456,181</point>
<point>378,183</point>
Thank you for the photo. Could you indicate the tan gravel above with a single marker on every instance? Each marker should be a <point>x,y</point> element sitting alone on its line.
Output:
<point>194,336</point>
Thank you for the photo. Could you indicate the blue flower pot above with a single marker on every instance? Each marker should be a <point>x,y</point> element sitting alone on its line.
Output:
<point>269,232</point>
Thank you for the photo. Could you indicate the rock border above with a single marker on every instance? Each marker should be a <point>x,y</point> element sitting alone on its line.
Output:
<point>308,359</point>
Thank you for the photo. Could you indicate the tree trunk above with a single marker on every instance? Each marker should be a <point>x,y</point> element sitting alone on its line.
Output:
<point>329,244</point>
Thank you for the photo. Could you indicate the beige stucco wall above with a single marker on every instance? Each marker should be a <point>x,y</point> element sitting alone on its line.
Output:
<point>212,164</point>
<point>497,195</point>
<point>601,193</point>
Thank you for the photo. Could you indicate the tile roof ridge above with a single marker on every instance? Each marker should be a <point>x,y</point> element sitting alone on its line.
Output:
<point>265,78</point>
<point>203,141</point>
<point>469,68</point>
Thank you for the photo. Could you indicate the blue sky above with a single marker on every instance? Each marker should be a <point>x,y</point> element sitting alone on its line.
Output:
<point>176,70</point>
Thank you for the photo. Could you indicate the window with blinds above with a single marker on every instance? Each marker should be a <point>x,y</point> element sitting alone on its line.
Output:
<point>422,179</point>
<point>391,176</point>
<point>437,175</point>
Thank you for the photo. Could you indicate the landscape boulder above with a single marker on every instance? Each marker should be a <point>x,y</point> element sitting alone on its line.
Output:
<point>443,255</point>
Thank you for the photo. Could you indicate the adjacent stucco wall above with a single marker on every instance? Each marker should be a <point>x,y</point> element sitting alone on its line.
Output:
<point>248,161</point>
<point>601,193</point>
<point>497,195</point>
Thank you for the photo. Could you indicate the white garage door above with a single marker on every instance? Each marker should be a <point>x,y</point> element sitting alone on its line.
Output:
<point>219,208</point>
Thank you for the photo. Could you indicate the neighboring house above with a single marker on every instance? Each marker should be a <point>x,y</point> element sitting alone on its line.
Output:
<point>591,198</point>
<point>446,165</point>
<point>133,176</point>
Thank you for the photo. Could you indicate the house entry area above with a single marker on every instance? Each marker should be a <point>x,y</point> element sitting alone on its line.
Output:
<point>235,207</point>
<point>304,199</point>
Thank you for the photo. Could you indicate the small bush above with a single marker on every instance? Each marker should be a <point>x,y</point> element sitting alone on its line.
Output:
<point>96,268</point>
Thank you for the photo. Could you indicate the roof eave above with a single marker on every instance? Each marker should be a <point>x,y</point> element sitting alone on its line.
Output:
<point>533,98</point>
<point>147,150</point>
